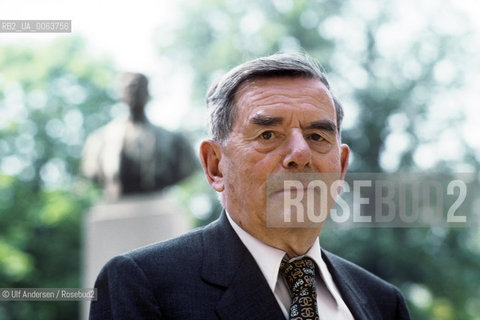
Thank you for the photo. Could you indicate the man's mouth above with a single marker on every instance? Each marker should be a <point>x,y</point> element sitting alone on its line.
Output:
<point>294,190</point>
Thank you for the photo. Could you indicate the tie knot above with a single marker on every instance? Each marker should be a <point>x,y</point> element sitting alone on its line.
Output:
<point>299,274</point>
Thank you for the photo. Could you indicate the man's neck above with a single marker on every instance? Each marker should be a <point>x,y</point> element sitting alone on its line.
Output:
<point>294,241</point>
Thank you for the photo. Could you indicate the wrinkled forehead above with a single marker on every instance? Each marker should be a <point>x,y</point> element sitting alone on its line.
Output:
<point>262,91</point>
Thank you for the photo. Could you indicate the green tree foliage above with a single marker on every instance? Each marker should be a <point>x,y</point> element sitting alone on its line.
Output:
<point>50,98</point>
<point>391,85</point>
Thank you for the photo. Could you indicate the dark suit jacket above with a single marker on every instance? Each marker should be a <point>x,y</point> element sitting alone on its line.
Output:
<point>209,274</point>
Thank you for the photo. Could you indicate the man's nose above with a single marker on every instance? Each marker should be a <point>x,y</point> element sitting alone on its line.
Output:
<point>299,154</point>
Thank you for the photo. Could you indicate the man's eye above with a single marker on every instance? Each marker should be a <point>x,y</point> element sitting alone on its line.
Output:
<point>316,137</point>
<point>267,135</point>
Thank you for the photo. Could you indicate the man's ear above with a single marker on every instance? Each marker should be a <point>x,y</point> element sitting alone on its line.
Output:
<point>210,155</point>
<point>344,155</point>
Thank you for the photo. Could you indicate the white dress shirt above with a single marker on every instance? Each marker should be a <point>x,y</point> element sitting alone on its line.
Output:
<point>329,301</point>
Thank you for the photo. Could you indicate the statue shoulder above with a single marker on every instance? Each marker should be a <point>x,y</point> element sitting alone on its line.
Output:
<point>112,129</point>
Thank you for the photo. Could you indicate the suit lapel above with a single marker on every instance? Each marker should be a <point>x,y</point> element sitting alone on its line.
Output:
<point>249,297</point>
<point>351,293</point>
<point>228,263</point>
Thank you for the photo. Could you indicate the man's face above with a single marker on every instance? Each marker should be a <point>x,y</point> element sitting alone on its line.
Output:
<point>282,125</point>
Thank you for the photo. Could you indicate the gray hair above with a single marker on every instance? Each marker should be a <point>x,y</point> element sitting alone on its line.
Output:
<point>221,94</point>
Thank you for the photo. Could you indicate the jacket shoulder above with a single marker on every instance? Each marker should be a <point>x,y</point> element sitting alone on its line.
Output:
<point>383,299</point>
<point>135,285</point>
<point>184,249</point>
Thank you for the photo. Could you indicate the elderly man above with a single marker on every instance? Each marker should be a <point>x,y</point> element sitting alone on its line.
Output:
<point>272,115</point>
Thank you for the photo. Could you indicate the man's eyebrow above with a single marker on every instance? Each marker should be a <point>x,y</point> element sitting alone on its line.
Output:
<point>263,120</point>
<point>324,125</point>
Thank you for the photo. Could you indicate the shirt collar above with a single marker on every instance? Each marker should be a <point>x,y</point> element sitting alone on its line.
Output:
<point>269,258</point>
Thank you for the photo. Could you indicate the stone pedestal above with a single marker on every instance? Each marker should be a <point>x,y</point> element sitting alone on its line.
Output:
<point>114,228</point>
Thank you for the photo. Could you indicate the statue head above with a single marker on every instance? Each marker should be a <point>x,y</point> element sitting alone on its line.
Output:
<point>135,92</point>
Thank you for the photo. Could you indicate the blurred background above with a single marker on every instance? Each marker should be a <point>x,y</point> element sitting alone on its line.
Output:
<point>407,73</point>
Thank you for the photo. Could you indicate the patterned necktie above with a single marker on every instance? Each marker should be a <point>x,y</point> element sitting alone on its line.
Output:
<point>300,277</point>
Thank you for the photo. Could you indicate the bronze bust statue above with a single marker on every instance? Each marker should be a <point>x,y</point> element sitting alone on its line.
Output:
<point>134,156</point>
